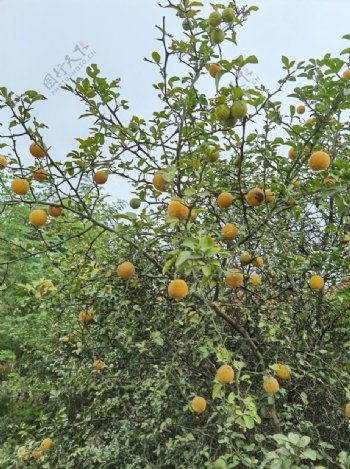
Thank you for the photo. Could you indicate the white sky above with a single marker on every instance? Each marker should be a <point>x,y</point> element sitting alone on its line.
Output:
<point>36,36</point>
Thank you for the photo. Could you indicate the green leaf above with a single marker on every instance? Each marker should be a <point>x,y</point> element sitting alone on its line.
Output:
<point>182,257</point>
<point>309,454</point>
<point>156,57</point>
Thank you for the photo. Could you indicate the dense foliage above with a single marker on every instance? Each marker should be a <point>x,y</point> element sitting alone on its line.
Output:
<point>238,195</point>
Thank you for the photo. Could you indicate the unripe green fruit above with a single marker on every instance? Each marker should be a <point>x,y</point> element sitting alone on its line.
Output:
<point>186,24</point>
<point>133,126</point>
<point>214,19</point>
<point>228,15</point>
<point>239,109</point>
<point>220,464</point>
<point>237,93</point>
<point>222,112</point>
<point>135,203</point>
<point>230,122</point>
<point>217,35</point>
<point>211,154</point>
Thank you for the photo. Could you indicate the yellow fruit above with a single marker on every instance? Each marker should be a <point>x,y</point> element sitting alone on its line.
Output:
<point>329,181</point>
<point>86,316</point>
<point>301,109</point>
<point>100,177</point>
<point>55,211</point>
<point>225,200</point>
<point>225,374</point>
<point>217,36</point>
<point>292,153</point>
<point>269,196</point>
<point>160,183</point>
<point>255,197</point>
<point>255,279</point>
<point>40,174</point>
<point>347,410</point>
<point>333,121</point>
<point>37,454</point>
<point>319,161</point>
<point>20,186</point>
<point>283,371</point>
<point>36,150</point>
<point>310,121</point>
<point>245,257</point>
<point>65,338</point>
<point>98,365</point>
<point>125,270</point>
<point>3,162</point>
<point>198,404</point>
<point>346,238</point>
<point>316,282</point>
<point>192,313</point>
<point>346,74</point>
<point>258,261</point>
<point>228,15</point>
<point>229,231</point>
<point>296,183</point>
<point>194,214</point>
<point>214,69</point>
<point>234,278</point>
<point>222,112</point>
<point>38,218</point>
<point>270,385</point>
<point>178,210</point>
<point>214,19</point>
<point>24,455</point>
<point>46,444</point>
<point>177,289</point>
<point>239,109</point>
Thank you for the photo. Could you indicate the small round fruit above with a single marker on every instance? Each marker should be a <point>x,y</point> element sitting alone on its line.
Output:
<point>225,374</point>
<point>258,261</point>
<point>319,161</point>
<point>100,177</point>
<point>214,69</point>
<point>214,19</point>
<point>269,196</point>
<point>222,112</point>
<point>255,197</point>
<point>37,150</point>
<point>20,186</point>
<point>239,109</point>
<point>65,339</point>
<point>160,183</point>
<point>229,122</point>
<point>347,407</point>
<point>98,365</point>
<point>86,316</point>
<point>310,122</point>
<point>178,210</point>
<point>55,210</point>
<point>316,282</point>
<point>283,371</point>
<point>186,24</point>
<point>178,289</point>
<point>194,214</point>
<point>255,279</point>
<point>40,174</point>
<point>24,455</point>
<point>228,15</point>
<point>346,74</point>
<point>346,238</point>
<point>211,154</point>
<point>217,36</point>
<point>125,270</point>
<point>234,278</point>
<point>270,385</point>
<point>333,121</point>
<point>225,200</point>
<point>3,162</point>
<point>245,257</point>
<point>135,203</point>
<point>38,218</point>
<point>301,109</point>
<point>296,183</point>
<point>198,404</point>
<point>37,454</point>
<point>292,153</point>
<point>229,231</point>
<point>46,444</point>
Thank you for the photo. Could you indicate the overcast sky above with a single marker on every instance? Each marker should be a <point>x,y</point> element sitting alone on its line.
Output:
<point>37,36</point>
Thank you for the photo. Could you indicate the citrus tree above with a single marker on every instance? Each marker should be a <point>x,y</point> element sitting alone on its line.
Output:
<point>208,327</point>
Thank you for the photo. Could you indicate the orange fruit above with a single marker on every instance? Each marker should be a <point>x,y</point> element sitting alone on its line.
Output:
<point>296,183</point>
<point>178,210</point>
<point>214,69</point>
<point>270,385</point>
<point>3,162</point>
<point>40,174</point>
<point>199,404</point>
<point>283,371</point>
<point>160,183</point>
<point>245,257</point>
<point>38,218</point>
<point>100,177</point>
<point>177,289</point>
<point>316,282</point>
<point>329,181</point>
<point>225,374</point>
<point>46,444</point>
<point>301,109</point>
<point>347,410</point>
<point>255,197</point>
<point>86,316</point>
<point>55,210</point>
<point>20,186</point>
<point>319,161</point>
<point>125,270</point>
<point>346,74</point>
<point>229,231</point>
<point>37,454</point>
<point>258,261</point>
<point>225,200</point>
<point>269,196</point>
<point>255,279</point>
<point>98,365</point>
<point>234,278</point>
<point>292,153</point>
<point>37,150</point>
